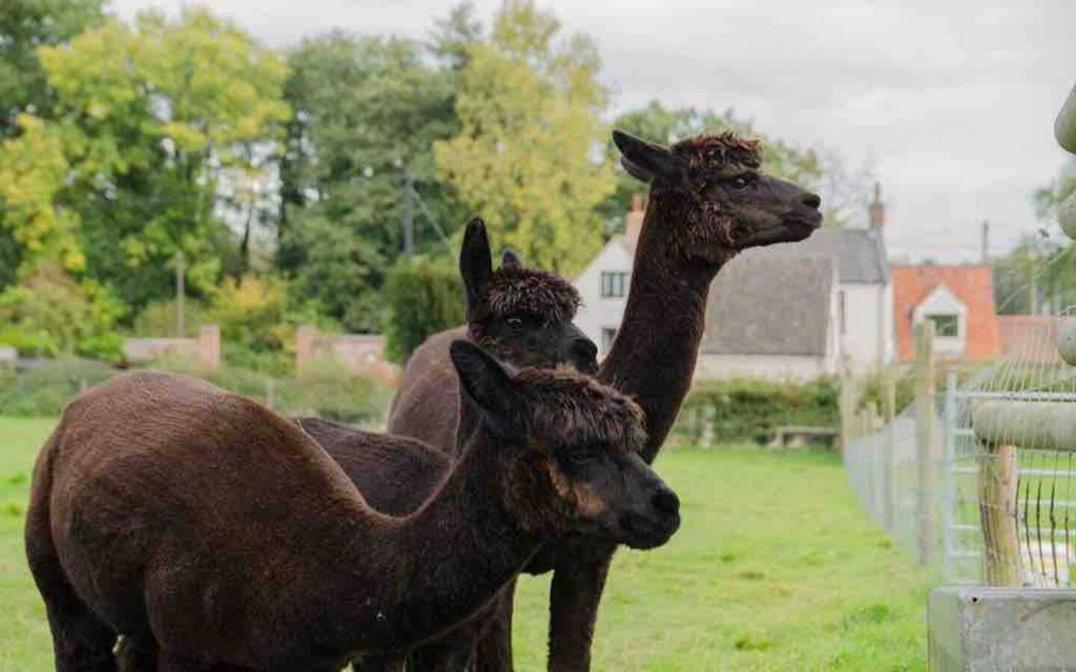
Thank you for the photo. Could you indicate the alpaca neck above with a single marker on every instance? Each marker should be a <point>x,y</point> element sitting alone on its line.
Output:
<point>432,569</point>
<point>654,355</point>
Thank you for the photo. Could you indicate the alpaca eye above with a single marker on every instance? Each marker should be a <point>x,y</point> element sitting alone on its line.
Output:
<point>515,322</point>
<point>580,459</point>
<point>740,183</point>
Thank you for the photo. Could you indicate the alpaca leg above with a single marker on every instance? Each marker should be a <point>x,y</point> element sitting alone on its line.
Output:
<point>135,655</point>
<point>493,650</point>
<point>452,652</point>
<point>574,596</point>
<point>380,662</point>
<point>81,642</point>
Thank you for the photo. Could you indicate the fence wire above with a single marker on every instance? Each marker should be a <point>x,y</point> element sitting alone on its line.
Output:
<point>998,512</point>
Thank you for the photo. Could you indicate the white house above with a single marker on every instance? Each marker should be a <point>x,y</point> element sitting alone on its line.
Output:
<point>795,310</point>
<point>603,284</point>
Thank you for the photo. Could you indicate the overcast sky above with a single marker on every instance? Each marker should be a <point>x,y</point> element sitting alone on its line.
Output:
<point>951,102</point>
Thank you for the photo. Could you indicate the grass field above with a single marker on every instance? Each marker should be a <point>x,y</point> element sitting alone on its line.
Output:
<point>775,568</point>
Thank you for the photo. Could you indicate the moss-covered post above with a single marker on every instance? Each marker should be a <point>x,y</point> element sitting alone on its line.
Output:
<point>924,421</point>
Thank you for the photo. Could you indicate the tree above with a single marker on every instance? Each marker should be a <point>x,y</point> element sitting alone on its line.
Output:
<point>524,158</point>
<point>663,125</point>
<point>156,117</point>
<point>424,297</point>
<point>26,25</point>
<point>367,112</point>
<point>33,170</point>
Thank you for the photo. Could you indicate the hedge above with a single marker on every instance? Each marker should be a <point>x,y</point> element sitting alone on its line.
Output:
<point>748,409</point>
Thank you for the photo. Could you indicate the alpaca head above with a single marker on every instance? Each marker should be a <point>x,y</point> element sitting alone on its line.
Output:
<point>568,449</point>
<point>522,314</point>
<point>718,200</point>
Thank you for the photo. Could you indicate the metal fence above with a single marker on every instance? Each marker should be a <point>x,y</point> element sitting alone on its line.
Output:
<point>946,501</point>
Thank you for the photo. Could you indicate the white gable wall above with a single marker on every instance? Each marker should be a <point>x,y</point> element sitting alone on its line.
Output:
<point>867,339</point>
<point>596,312</point>
<point>941,301</point>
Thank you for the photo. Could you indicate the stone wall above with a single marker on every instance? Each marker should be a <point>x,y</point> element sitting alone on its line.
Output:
<point>360,354</point>
<point>203,350</point>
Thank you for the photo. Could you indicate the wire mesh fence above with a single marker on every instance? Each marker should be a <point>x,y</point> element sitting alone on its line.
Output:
<point>990,498</point>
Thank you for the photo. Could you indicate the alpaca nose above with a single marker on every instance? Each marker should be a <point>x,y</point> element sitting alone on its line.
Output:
<point>666,501</point>
<point>812,200</point>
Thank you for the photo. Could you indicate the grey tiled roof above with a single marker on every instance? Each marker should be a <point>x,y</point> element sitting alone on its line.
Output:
<point>860,253</point>
<point>770,304</point>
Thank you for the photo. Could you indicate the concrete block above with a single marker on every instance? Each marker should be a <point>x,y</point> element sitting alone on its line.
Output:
<point>976,629</point>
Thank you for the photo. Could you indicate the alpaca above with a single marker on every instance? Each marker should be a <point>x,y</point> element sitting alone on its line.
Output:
<point>171,511</point>
<point>522,315</point>
<point>708,201</point>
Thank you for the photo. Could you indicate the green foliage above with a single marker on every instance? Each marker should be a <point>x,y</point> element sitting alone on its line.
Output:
<point>663,125</point>
<point>49,312</point>
<point>252,312</point>
<point>747,409</point>
<point>367,111</point>
<point>33,170</point>
<point>1040,272</point>
<point>26,25</point>
<point>158,319</point>
<point>424,297</point>
<point>46,390</point>
<point>158,121</point>
<point>530,109</point>
<point>327,391</point>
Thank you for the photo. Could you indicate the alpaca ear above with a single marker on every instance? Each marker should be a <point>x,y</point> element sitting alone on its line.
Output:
<point>476,263</point>
<point>509,259</point>
<point>484,381</point>
<point>646,161</point>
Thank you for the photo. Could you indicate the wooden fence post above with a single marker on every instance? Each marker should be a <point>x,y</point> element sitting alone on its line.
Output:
<point>889,451</point>
<point>924,420</point>
<point>997,513</point>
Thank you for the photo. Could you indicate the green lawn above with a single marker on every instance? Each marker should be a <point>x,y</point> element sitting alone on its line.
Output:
<point>775,568</point>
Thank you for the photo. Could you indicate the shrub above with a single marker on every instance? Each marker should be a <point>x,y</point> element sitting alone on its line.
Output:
<point>158,319</point>
<point>424,297</point>
<point>47,389</point>
<point>49,312</point>
<point>252,312</point>
<point>327,391</point>
<point>746,409</point>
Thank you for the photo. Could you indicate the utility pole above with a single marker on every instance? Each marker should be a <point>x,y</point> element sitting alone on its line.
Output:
<point>181,267</point>
<point>408,213</point>
<point>985,240</point>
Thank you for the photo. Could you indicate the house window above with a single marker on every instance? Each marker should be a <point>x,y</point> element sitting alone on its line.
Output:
<point>608,336</point>
<point>945,326</point>
<point>613,284</point>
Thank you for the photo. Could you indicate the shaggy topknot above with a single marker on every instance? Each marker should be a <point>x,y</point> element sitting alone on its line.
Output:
<point>514,289</point>
<point>577,408</point>
<point>719,150</point>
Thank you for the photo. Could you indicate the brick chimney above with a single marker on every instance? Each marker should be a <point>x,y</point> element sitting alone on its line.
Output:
<point>877,208</point>
<point>633,223</point>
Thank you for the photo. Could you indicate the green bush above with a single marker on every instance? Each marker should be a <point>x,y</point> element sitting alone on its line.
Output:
<point>746,409</point>
<point>323,390</point>
<point>327,391</point>
<point>158,319</point>
<point>46,390</point>
<point>424,297</point>
<point>50,312</point>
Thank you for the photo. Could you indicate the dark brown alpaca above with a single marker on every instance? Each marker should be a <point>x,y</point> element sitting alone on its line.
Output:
<point>708,201</point>
<point>521,315</point>
<point>170,511</point>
